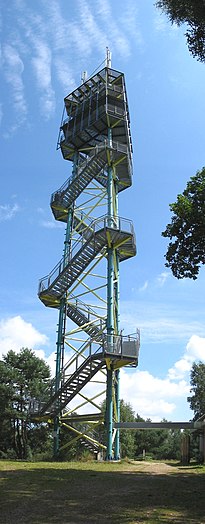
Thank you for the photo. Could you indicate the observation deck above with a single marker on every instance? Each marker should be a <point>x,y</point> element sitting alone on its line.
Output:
<point>97,104</point>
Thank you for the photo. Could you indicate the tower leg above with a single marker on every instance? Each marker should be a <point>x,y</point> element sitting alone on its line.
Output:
<point>56,437</point>
<point>59,358</point>
<point>110,315</point>
<point>62,318</point>
<point>117,397</point>
<point>109,413</point>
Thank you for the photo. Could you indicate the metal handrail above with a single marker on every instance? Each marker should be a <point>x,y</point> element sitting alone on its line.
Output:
<point>103,108</point>
<point>124,346</point>
<point>116,146</point>
<point>118,223</point>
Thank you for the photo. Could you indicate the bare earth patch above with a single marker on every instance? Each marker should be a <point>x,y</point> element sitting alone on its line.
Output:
<point>157,468</point>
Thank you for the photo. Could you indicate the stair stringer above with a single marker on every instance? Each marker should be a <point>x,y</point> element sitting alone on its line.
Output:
<point>71,387</point>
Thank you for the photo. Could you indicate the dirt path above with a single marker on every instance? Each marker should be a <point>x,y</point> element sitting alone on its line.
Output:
<point>155,468</point>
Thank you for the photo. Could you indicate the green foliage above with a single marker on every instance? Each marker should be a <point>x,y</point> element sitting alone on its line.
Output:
<point>186,251</point>
<point>71,447</point>
<point>157,443</point>
<point>192,13</point>
<point>197,400</point>
<point>22,377</point>
<point>127,437</point>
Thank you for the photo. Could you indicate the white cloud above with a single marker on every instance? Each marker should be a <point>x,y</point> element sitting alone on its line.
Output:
<point>159,281</point>
<point>7,211</point>
<point>16,333</point>
<point>51,361</point>
<point>115,37</point>
<point>163,25</point>
<point>92,31</point>
<point>160,22</point>
<point>195,350</point>
<point>162,278</point>
<point>34,44</point>
<point>150,396</point>
<point>42,67</point>
<point>51,224</point>
<point>13,68</point>
<point>65,74</point>
<point>129,20</point>
<point>159,322</point>
<point>181,367</point>
<point>144,287</point>
<point>47,39</point>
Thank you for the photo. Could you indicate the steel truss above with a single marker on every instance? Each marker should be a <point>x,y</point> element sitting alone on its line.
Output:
<point>84,285</point>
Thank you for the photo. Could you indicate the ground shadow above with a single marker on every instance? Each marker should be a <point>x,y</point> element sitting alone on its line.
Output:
<point>75,496</point>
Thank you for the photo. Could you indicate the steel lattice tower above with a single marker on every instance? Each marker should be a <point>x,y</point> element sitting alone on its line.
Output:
<point>84,286</point>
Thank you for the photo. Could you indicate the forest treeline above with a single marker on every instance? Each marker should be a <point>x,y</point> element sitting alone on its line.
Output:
<point>23,377</point>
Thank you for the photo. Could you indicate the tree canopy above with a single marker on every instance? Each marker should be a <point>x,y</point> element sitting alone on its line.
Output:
<point>197,400</point>
<point>157,443</point>
<point>191,12</point>
<point>22,376</point>
<point>186,251</point>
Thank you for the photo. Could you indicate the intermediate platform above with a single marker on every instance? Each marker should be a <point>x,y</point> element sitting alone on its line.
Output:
<point>99,236</point>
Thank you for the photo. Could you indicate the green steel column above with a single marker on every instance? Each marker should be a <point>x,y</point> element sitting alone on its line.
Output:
<point>117,372</point>
<point>110,316</point>
<point>59,356</point>
<point>62,316</point>
<point>109,414</point>
<point>117,313</point>
<point>117,397</point>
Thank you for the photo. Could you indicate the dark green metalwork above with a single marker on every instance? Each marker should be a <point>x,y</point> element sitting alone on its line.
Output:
<point>95,137</point>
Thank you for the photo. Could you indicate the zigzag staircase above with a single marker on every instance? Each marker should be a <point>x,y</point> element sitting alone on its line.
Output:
<point>89,168</point>
<point>95,136</point>
<point>53,286</point>
<point>88,438</point>
<point>73,385</point>
<point>80,314</point>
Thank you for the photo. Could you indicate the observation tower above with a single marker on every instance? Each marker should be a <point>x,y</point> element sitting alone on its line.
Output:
<point>95,139</point>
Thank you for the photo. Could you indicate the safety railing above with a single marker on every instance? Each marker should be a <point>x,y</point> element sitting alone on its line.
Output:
<point>87,90</point>
<point>124,346</point>
<point>86,162</point>
<point>120,224</point>
<point>90,115</point>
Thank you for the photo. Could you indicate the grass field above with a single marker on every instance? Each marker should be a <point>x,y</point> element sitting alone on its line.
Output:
<point>92,492</point>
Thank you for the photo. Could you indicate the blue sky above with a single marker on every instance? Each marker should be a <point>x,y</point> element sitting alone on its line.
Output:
<point>45,47</point>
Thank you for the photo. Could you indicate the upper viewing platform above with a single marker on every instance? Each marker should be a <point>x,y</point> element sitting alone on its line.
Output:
<point>96,105</point>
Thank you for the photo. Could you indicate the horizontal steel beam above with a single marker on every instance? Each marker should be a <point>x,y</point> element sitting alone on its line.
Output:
<point>156,425</point>
<point>83,418</point>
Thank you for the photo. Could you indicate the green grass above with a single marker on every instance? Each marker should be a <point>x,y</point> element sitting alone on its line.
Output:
<point>92,492</point>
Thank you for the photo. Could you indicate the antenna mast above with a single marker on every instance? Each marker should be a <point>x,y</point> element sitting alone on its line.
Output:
<point>108,57</point>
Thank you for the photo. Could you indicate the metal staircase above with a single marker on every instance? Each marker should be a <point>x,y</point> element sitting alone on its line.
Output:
<point>88,438</point>
<point>71,387</point>
<point>92,242</point>
<point>74,312</point>
<point>95,137</point>
<point>92,167</point>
